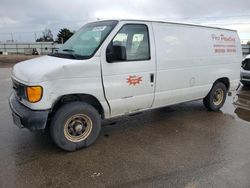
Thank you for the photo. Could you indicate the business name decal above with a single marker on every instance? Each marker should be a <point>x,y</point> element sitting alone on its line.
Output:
<point>134,80</point>
<point>223,43</point>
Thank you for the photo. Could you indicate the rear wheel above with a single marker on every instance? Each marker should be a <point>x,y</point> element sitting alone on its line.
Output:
<point>75,125</point>
<point>216,97</point>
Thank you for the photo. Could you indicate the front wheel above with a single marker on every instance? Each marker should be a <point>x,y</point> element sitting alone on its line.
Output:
<point>75,125</point>
<point>215,99</point>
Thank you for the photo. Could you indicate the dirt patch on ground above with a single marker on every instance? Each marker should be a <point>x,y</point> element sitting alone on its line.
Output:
<point>10,60</point>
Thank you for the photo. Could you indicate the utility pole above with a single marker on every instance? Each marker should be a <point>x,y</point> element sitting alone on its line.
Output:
<point>12,40</point>
<point>35,36</point>
<point>20,37</point>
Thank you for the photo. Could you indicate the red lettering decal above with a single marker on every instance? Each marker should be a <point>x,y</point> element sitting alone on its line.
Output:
<point>133,80</point>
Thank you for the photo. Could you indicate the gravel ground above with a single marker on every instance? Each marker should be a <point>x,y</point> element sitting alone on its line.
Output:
<point>178,146</point>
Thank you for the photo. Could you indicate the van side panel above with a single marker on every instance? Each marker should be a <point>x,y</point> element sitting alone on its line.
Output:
<point>191,58</point>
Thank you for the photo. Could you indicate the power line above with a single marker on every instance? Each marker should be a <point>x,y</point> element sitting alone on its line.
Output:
<point>229,23</point>
<point>211,17</point>
<point>75,25</point>
<point>57,28</point>
<point>164,18</point>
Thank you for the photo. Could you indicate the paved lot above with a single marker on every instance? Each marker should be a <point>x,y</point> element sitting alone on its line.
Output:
<point>178,146</point>
<point>13,58</point>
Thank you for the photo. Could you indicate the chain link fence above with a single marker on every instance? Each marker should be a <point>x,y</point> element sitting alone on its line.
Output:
<point>42,48</point>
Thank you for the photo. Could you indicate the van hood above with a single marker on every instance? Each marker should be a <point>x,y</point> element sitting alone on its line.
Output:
<point>46,68</point>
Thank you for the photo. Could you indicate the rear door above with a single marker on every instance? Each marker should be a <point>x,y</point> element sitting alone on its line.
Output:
<point>129,84</point>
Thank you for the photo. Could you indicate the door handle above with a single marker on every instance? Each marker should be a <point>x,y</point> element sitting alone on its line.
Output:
<point>152,78</point>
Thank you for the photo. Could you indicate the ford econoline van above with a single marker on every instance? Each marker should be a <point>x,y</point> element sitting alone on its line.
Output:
<point>117,67</point>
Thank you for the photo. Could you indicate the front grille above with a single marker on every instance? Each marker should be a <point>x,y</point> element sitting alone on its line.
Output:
<point>19,90</point>
<point>246,77</point>
<point>246,65</point>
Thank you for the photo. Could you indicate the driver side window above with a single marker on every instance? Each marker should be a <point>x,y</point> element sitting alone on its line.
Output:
<point>134,40</point>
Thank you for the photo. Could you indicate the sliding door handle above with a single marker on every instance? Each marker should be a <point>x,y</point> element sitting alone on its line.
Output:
<point>152,78</point>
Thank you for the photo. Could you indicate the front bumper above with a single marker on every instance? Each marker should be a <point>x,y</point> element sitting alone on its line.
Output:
<point>24,117</point>
<point>245,76</point>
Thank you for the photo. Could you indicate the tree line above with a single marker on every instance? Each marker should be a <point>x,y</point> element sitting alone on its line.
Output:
<point>62,36</point>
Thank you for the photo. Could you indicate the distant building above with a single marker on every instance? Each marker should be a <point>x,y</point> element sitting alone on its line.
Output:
<point>42,48</point>
<point>245,49</point>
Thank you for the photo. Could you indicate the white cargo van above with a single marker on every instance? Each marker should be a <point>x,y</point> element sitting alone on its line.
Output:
<point>112,68</point>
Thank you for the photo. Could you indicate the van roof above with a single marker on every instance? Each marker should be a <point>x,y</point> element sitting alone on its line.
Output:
<point>176,23</point>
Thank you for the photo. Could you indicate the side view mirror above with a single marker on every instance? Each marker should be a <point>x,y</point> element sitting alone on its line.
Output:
<point>116,53</point>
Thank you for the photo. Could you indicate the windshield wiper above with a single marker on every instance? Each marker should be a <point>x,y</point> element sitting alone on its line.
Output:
<point>69,56</point>
<point>71,52</point>
<point>68,50</point>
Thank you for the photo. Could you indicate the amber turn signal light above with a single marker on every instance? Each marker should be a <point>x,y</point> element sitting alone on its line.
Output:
<point>34,93</point>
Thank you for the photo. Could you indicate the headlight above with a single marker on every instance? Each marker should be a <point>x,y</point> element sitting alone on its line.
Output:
<point>34,93</point>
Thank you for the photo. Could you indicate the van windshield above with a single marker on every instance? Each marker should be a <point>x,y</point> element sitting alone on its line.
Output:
<point>85,42</point>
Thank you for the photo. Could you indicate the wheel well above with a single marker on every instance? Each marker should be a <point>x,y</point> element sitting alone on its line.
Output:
<point>224,81</point>
<point>78,97</point>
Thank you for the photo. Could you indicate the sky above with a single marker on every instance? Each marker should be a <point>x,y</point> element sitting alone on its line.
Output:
<point>25,20</point>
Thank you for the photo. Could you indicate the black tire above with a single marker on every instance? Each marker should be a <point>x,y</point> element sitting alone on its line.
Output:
<point>64,117</point>
<point>210,100</point>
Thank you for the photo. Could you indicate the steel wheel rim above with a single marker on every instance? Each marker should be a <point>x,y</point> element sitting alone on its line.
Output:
<point>78,127</point>
<point>218,96</point>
